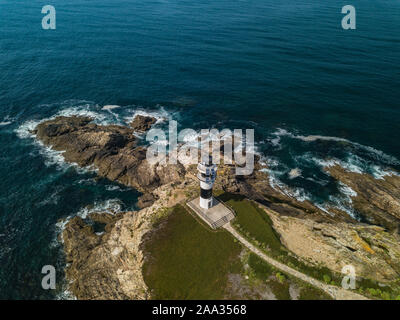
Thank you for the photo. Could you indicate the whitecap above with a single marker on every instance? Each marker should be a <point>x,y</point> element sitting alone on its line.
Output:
<point>347,191</point>
<point>160,115</point>
<point>110,206</point>
<point>6,121</point>
<point>114,188</point>
<point>84,111</point>
<point>110,107</point>
<point>294,173</point>
<point>24,131</point>
<point>297,193</point>
<point>66,295</point>
<point>377,154</point>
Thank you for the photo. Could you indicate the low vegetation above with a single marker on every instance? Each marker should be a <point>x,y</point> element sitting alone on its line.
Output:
<point>280,283</point>
<point>254,223</point>
<point>186,260</point>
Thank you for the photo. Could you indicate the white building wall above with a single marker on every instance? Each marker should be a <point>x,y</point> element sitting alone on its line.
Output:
<point>206,203</point>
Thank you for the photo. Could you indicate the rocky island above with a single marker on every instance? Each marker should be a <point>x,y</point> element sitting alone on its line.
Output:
<point>116,263</point>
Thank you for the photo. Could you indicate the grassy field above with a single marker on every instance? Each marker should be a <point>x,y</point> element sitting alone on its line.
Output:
<point>186,260</point>
<point>280,283</point>
<point>255,224</point>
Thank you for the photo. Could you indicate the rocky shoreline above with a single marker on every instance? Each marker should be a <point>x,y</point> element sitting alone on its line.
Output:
<point>108,264</point>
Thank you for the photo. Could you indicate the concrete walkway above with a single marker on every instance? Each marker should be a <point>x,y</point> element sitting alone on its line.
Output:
<point>335,292</point>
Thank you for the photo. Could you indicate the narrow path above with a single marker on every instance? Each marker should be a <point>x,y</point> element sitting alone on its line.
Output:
<point>335,292</point>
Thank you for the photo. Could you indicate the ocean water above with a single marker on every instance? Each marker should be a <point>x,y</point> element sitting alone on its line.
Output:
<point>314,93</point>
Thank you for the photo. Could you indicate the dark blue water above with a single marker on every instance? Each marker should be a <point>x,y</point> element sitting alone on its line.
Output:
<point>283,67</point>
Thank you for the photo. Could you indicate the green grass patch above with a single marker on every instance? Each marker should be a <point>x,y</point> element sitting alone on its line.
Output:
<point>186,260</point>
<point>310,293</point>
<point>280,283</point>
<point>255,224</point>
<point>261,269</point>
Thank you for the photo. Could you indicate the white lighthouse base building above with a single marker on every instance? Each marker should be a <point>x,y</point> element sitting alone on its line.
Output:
<point>216,216</point>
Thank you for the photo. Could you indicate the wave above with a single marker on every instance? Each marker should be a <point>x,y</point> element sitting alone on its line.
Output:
<point>161,115</point>
<point>51,199</point>
<point>115,188</point>
<point>66,295</point>
<point>86,110</point>
<point>377,154</point>
<point>6,121</point>
<point>110,206</point>
<point>294,173</point>
<point>110,107</point>
<point>299,194</point>
<point>355,164</point>
<point>101,116</point>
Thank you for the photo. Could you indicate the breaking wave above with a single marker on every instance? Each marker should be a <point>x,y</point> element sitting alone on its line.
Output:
<point>377,154</point>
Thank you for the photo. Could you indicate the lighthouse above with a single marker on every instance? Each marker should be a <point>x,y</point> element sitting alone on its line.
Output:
<point>207,172</point>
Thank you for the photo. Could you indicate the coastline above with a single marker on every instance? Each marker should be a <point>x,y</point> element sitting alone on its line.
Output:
<point>165,180</point>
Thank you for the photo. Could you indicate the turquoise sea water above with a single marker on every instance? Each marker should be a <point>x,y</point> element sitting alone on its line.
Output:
<point>286,68</point>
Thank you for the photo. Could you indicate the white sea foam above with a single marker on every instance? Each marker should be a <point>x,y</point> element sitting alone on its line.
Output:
<point>343,204</point>
<point>357,165</point>
<point>110,206</point>
<point>324,209</point>
<point>51,199</point>
<point>53,157</point>
<point>294,173</point>
<point>24,131</point>
<point>377,154</point>
<point>66,295</point>
<point>160,115</point>
<point>115,188</point>
<point>110,107</point>
<point>84,111</point>
<point>60,227</point>
<point>6,121</point>
<point>297,193</point>
<point>347,191</point>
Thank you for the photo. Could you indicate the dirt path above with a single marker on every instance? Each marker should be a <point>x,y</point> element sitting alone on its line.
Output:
<point>335,292</point>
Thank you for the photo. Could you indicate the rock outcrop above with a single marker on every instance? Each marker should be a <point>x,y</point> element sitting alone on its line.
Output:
<point>105,266</point>
<point>378,200</point>
<point>111,149</point>
<point>108,265</point>
<point>142,123</point>
<point>374,252</point>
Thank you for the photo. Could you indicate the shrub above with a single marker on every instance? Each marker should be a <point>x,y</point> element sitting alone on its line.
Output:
<point>327,278</point>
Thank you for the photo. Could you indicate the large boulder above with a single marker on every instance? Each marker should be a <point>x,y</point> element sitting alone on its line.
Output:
<point>142,123</point>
